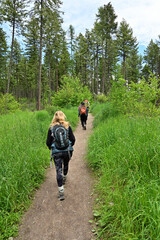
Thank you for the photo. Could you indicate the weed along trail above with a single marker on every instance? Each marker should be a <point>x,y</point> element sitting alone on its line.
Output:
<point>48,218</point>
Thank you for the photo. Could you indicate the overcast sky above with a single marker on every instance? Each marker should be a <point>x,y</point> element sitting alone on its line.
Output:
<point>142,16</point>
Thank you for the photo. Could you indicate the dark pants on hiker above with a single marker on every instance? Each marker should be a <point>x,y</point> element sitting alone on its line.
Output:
<point>83,120</point>
<point>61,161</point>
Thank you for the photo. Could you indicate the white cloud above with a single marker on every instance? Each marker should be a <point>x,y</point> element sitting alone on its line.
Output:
<point>141,15</point>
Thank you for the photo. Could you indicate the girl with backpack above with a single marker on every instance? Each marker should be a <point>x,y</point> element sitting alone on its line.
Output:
<point>83,114</point>
<point>60,140</point>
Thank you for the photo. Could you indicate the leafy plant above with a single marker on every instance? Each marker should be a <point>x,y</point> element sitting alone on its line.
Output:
<point>8,104</point>
<point>72,93</point>
<point>136,98</point>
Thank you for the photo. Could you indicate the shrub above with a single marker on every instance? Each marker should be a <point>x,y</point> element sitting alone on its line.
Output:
<point>8,104</point>
<point>136,98</point>
<point>71,93</point>
<point>101,98</point>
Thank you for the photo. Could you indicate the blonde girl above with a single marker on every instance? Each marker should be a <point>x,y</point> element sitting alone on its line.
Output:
<point>61,157</point>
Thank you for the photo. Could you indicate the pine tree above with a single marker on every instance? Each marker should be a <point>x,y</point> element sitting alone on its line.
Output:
<point>31,35</point>
<point>42,8</point>
<point>71,45</point>
<point>151,57</point>
<point>13,12</point>
<point>106,26</point>
<point>126,43</point>
<point>3,61</point>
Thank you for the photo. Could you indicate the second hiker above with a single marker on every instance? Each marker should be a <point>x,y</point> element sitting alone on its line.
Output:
<point>83,114</point>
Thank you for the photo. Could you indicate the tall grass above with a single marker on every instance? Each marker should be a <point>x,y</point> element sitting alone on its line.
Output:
<point>24,158</point>
<point>125,154</point>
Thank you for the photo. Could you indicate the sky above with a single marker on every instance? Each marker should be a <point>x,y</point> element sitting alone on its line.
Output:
<point>141,15</point>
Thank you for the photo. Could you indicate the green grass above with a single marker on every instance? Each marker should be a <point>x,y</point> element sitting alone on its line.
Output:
<point>125,154</point>
<point>24,158</point>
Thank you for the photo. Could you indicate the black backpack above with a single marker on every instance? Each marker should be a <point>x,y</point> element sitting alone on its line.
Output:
<point>60,136</point>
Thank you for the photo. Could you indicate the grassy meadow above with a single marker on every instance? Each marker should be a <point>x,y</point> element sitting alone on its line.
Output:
<point>124,153</point>
<point>24,158</point>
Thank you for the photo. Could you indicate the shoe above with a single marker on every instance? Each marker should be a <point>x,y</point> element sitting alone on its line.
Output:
<point>61,196</point>
<point>64,179</point>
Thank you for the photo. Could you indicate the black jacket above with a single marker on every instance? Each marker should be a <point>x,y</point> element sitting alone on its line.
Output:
<point>50,138</point>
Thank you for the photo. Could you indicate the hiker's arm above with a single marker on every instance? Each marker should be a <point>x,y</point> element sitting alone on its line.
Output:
<point>71,136</point>
<point>49,139</point>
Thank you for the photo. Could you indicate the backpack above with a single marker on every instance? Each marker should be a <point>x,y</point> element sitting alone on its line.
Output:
<point>60,136</point>
<point>83,110</point>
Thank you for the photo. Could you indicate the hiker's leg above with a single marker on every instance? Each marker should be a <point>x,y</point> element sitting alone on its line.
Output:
<point>82,120</point>
<point>85,120</point>
<point>66,163</point>
<point>58,160</point>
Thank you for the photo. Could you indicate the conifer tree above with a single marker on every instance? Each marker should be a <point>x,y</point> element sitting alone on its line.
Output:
<point>3,61</point>
<point>151,56</point>
<point>13,12</point>
<point>71,44</point>
<point>125,43</point>
<point>31,35</point>
<point>106,27</point>
<point>42,8</point>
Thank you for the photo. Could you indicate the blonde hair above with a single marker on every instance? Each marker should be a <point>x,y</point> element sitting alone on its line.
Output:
<point>59,118</point>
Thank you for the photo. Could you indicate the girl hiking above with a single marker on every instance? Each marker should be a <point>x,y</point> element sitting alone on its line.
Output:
<point>60,140</point>
<point>83,114</point>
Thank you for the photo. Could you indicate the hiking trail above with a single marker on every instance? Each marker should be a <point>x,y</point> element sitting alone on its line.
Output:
<point>48,218</point>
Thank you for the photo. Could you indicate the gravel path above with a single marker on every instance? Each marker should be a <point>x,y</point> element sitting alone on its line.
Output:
<point>51,219</point>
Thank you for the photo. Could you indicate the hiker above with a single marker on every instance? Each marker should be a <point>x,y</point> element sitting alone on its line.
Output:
<point>60,140</point>
<point>83,114</point>
<point>86,103</point>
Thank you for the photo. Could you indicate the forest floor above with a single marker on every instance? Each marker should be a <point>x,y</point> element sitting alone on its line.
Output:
<point>48,218</point>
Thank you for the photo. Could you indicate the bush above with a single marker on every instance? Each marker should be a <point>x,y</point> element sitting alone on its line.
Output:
<point>8,104</point>
<point>71,93</point>
<point>101,98</point>
<point>136,98</point>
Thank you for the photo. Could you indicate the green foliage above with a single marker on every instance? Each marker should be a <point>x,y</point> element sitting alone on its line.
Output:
<point>24,159</point>
<point>8,104</point>
<point>101,98</point>
<point>72,92</point>
<point>124,152</point>
<point>151,57</point>
<point>105,111</point>
<point>136,98</point>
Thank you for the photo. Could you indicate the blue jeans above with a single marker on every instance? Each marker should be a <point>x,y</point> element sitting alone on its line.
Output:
<point>61,161</point>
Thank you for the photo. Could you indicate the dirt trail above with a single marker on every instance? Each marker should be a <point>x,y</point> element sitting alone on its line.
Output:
<point>51,219</point>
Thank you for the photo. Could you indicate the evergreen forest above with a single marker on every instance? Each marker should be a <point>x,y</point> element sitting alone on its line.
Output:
<point>41,53</point>
<point>44,68</point>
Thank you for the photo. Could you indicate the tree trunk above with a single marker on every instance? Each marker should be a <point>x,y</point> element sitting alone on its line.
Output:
<point>11,57</point>
<point>103,71</point>
<point>49,75</point>
<point>40,61</point>
<point>97,73</point>
<point>124,67</point>
<point>56,75</point>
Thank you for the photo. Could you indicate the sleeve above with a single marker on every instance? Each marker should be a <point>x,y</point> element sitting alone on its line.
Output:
<point>49,139</point>
<point>71,136</point>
